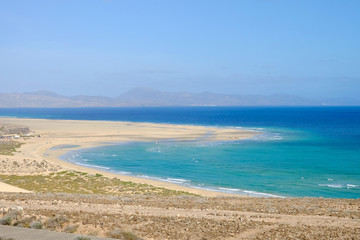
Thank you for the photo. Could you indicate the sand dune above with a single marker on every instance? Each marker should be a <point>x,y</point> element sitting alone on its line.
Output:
<point>8,188</point>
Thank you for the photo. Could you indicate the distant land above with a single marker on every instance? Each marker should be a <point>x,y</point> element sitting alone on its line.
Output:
<point>146,97</point>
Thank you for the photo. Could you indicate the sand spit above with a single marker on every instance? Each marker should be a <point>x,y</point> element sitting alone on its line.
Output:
<point>39,154</point>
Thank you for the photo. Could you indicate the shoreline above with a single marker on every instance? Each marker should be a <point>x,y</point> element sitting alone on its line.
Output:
<point>100,206</point>
<point>89,134</point>
<point>219,190</point>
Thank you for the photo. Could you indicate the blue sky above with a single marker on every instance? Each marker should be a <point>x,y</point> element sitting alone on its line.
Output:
<point>309,48</point>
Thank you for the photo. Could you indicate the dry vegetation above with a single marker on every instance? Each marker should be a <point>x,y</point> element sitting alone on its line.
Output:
<point>11,238</point>
<point>83,183</point>
<point>91,204</point>
<point>190,217</point>
<point>9,147</point>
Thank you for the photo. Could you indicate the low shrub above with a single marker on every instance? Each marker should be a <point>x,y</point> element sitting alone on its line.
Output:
<point>36,225</point>
<point>6,221</point>
<point>6,238</point>
<point>15,213</point>
<point>124,235</point>
<point>25,222</point>
<point>80,238</point>
<point>56,222</point>
<point>71,228</point>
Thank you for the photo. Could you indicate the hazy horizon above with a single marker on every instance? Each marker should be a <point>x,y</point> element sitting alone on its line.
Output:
<point>251,47</point>
<point>149,89</point>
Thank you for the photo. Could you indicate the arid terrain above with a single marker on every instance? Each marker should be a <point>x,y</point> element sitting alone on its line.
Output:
<point>192,217</point>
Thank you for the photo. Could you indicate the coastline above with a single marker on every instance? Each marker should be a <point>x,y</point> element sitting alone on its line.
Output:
<point>87,134</point>
<point>155,215</point>
<point>220,191</point>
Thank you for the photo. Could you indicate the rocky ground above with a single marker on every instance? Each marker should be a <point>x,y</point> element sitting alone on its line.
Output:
<point>188,217</point>
<point>9,165</point>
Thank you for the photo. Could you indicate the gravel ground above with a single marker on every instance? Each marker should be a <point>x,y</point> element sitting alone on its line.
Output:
<point>192,217</point>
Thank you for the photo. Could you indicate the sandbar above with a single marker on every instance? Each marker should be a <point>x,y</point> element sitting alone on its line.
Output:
<point>78,134</point>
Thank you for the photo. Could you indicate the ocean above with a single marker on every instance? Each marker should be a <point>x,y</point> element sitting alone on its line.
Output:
<point>301,151</point>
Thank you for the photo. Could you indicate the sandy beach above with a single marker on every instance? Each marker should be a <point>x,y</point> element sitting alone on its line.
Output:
<point>63,197</point>
<point>8,188</point>
<point>85,134</point>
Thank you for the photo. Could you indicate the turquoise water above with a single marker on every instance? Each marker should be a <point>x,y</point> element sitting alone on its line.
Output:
<point>257,167</point>
<point>301,151</point>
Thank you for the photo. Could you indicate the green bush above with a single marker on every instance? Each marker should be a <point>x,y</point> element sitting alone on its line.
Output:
<point>6,221</point>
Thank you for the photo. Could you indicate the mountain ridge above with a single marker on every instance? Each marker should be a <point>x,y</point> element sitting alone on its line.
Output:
<point>148,97</point>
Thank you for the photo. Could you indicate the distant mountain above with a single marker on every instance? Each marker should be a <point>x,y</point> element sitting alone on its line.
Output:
<point>341,102</point>
<point>149,97</point>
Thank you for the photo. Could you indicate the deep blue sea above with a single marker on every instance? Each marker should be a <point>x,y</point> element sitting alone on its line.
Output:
<point>302,151</point>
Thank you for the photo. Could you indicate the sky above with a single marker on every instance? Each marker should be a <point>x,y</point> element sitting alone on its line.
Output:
<point>309,48</point>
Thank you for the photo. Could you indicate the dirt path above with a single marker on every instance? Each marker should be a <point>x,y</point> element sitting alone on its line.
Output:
<point>33,234</point>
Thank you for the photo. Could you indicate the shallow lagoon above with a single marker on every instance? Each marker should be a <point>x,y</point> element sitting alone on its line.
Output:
<point>303,151</point>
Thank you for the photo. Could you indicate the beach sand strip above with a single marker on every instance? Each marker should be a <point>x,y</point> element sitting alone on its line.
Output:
<point>47,134</point>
